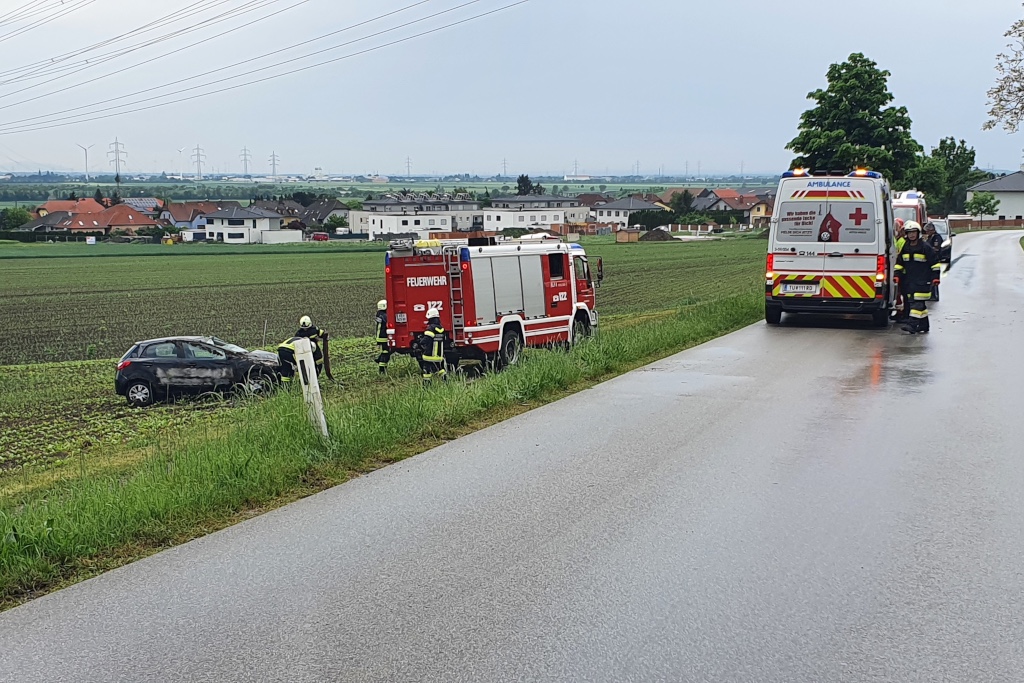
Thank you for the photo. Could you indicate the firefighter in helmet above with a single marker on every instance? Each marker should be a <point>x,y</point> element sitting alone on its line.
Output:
<point>902,298</point>
<point>918,269</point>
<point>431,348</point>
<point>317,337</point>
<point>382,336</point>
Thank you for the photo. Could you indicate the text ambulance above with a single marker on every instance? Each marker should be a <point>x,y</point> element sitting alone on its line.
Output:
<point>493,299</point>
<point>831,247</point>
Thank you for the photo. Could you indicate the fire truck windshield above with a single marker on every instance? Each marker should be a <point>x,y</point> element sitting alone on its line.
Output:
<point>907,213</point>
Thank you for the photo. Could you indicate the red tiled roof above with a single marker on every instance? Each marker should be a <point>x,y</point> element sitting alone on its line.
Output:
<point>119,216</point>
<point>666,196</point>
<point>89,205</point>
<point>186,212</point>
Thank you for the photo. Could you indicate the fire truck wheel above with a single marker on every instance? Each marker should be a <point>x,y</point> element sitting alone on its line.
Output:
<point>580,329</point>
<point>511,345</point>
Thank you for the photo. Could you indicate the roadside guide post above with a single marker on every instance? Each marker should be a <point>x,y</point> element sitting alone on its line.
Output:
<point>310,384</point>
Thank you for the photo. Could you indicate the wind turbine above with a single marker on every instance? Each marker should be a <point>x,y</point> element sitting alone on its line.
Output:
<point>180,173</point>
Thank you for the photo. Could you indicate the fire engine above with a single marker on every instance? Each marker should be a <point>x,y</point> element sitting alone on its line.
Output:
<point>494,298</point>
<point>910,206</point>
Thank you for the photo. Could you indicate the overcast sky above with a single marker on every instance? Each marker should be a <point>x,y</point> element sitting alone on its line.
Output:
<point>541,85</point>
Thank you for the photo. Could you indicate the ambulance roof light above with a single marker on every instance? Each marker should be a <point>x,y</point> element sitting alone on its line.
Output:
<point>795,173</point>
<point>864,173</point>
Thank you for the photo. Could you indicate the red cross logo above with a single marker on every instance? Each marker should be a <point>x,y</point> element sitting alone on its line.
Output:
<point>858,216</point>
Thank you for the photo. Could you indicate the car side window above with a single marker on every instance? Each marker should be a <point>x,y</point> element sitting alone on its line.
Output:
<point>161,350</point>
<point>203,352</point>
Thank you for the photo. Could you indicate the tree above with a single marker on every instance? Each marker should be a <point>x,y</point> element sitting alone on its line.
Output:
<point>73,197</point>
<point>538,189</point>
<point>1006,97</point>
<point>334,222</point>
<point>524,185</point>
<point>13,218</point>
<point>930,177</point>
<point>650,219</point>
<point>682,203</point>
<point>961,174</point>
<point>982,204</point>
<point>602,187</point>
<point>853,124</point>
<point>98,196</point>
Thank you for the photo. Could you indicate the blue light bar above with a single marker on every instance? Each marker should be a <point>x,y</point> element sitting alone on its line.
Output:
<point>865,174</point>
<point>796,173</point>
<point>387,258</point>
<point>912,195</point>
<point>464,254</point>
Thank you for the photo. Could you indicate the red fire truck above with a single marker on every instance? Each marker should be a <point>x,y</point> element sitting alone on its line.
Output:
<point>494,298</point>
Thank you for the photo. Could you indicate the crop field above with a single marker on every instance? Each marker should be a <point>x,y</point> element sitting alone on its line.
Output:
<point>64,320</point>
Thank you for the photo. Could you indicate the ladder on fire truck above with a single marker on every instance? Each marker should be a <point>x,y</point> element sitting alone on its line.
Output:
<point>454,268</point>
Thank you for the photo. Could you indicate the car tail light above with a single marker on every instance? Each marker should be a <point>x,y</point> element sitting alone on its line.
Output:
<point>123,364</point>
<point>880,269</point>
<point>769,269</point>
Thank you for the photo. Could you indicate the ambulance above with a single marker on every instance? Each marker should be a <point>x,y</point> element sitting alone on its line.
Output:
<point>494,298</point>
<point>831,248</point>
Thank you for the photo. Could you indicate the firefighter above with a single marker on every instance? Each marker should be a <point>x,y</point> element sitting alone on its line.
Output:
<point>382,337</point>
<point>902,301</point>
<point>286,356</point>
<point>431,348</point>
<point>310,331</point>
<point>320,339</point>
<point>918,269</point>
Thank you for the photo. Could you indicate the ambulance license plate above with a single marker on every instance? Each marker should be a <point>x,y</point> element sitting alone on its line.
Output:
<point>800,289</point>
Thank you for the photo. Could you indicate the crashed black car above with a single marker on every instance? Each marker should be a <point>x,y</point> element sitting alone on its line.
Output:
<point>158,369</point>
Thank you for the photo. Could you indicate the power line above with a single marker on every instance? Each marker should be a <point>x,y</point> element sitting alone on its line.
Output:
<point>199,158</point>
<point>19,13</point>
<point>57,65</point>
<point>408,166</point>
<point>246,157</point>
<point>274,160</point>
<point>220,69</point>
<point>46,20</point>
<point>45,125</point>
<point>116,153</point>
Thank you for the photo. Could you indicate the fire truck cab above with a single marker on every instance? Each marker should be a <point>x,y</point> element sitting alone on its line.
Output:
<point>910,206</point>
<point>493,298</point>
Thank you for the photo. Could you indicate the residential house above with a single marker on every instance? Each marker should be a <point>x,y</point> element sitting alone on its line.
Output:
<point>1009,190</point>
<point>385,225</point>
<point>465,212</point>
<point>89,205</point>
<point>594,199</point>
<point>47,223</point>
<point>192,215</point>
<point>618,212</point>
<point>149,206</point>
<point>289,208</point>
<point>118,218</point>
<point>760,214</point>
<point>496,220</point>
<point>318,212</point>
<point>250,225</point>
<point>573,210</point>
<point>695,192</point>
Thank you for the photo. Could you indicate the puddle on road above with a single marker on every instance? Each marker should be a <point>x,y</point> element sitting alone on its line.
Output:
<point>903,367</point>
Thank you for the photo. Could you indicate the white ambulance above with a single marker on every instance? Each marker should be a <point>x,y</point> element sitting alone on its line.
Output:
<point>831,247</point>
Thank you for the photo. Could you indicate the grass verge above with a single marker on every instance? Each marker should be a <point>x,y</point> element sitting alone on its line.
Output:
<point>103,519</point>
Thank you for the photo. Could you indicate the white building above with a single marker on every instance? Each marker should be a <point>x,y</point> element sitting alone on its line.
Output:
<point>496,220</point>
<point>1009,190</point>
<point>464,214</point>
<point>236,225</point>
<point>381,225</point>
<point>572,209</point>
<point>618,213</point>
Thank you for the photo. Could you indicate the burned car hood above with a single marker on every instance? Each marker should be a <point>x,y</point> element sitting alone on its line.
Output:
<point>263,357</point>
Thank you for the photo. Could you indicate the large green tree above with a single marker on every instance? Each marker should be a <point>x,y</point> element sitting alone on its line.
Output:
<point>945,176</point>
<point>13,218</point>
<point>524,185</point>
<point>854,125</point>
<point>982,204</point>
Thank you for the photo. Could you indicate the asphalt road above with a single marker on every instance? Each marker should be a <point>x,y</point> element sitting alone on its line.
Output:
<point>816,502</point>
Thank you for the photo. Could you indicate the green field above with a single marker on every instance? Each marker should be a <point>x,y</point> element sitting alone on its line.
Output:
<point>74,453</point>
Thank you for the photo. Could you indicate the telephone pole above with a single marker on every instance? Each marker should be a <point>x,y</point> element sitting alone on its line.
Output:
<point>408,167</point>
<point>86,150</point>
<point>246,157</point>
<point>199,158</point>
<point>117,157</point>
<point>274,161</point>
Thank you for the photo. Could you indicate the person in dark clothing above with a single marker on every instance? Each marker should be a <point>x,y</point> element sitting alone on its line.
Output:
<point>310,331</point>
<point>286,356</point>
<point>918,269</point>
<point>320,339</point>
<point>431,347</point>
<point>381,321</point>
<point>932,237</point>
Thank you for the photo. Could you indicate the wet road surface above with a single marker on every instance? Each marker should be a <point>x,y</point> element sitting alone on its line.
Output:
<point>813,502</point>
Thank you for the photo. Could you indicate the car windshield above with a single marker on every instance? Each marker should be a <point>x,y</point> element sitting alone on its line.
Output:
<point>941,227</point>
<point>226,346</point>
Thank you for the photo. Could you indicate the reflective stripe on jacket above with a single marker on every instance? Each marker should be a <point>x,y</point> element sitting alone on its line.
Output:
<point>433,344</point>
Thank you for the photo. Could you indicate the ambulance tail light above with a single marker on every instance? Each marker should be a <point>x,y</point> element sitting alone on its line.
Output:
<point>769,268</point>
<point>880,269</point>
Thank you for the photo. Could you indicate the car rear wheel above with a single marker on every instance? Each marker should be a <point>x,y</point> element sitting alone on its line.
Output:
<point>880,318</point>
<point>773,315</point>
<point>139,394</point>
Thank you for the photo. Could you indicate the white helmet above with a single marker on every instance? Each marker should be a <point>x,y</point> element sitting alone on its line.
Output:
<point>433,313</point>
<point>912,225</point>
<point>305,321</point>
<point>382,305</point>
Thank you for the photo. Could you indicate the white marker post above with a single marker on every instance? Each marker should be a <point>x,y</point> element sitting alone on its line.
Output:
<point>310,384</point>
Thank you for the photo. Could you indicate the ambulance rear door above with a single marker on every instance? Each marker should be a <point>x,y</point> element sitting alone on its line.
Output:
<point>797,257</point>
<point>852,237</point>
